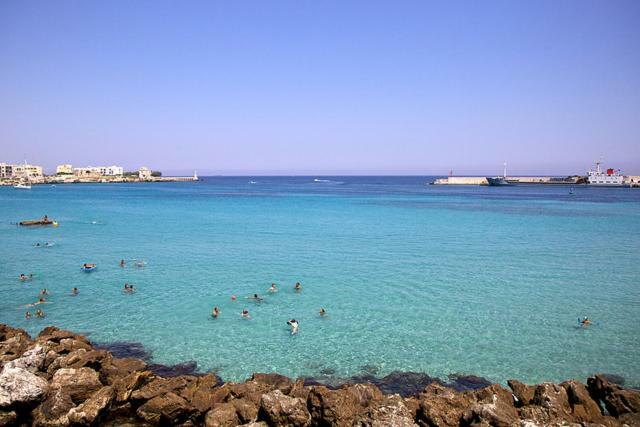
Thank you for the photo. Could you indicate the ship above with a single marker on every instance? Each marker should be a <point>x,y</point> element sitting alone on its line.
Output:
<point>610,177</point>
<point>499,180</point>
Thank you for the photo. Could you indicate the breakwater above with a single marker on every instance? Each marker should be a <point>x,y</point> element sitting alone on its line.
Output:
<point>61,379</point>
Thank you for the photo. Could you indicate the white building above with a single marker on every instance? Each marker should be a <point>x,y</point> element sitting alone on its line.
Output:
<point>64,169</point>
<point>27,171</point>
<point>144,173</point>
<point>113,171</point>
<point>6,170</point>
<point>94,171</point>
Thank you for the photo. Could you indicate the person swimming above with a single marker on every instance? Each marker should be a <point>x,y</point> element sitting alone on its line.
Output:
<point>24,277</point>
<point>215,313</point>
<point>273,288</point>
<point>294,326</point>
<point>27,315</point>
<point>245,314</point>
<point>39,313</point>
<point>297,287</point>
<point>322,312</point>
<point>74,292</point>
<point>122,263</point>
<point>256,298</point>
<point>37,245</point>
<point>128,288</point>
<point>233,298</point>
<point>44,292</point>
<point>585,322</point>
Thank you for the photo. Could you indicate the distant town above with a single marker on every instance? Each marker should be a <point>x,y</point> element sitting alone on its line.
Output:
<point>26,174</point>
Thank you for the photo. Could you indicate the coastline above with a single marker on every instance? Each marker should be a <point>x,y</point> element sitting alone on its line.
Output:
<point>60,378</point>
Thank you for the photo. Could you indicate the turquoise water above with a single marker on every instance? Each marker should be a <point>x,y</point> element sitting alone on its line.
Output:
<point>477,280</point>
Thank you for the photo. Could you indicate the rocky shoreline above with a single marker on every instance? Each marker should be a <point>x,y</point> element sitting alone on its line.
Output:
<point>62,379</point>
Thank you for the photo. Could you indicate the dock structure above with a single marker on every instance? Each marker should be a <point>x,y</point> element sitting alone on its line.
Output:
<point>462,180</point>
<point>482,180</point>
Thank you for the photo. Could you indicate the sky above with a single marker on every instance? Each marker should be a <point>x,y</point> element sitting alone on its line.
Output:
<point>322,87</point>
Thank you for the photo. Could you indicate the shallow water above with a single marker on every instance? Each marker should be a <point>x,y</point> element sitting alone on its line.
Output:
<point>478,280</point>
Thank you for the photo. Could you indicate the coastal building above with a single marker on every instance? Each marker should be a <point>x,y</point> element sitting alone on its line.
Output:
<point>64,169</point>
<point>6,170</point>
<point>97,171</point>
<point>144,173</point>
<point>27,171</point>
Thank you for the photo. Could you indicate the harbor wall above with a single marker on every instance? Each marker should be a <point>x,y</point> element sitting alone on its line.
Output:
<point>462,180</point>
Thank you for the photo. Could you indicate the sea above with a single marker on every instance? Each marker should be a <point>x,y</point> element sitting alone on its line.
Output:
<point>442,280</point>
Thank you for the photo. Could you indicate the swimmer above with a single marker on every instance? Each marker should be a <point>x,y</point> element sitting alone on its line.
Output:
<point>273,288</point>
<point>44,292</point>
<point>121,263</point>
<point>585,322</point>
<point>37,245</point>
<point>298,287</point>
<point>245,314</point>
<point>74,292</point>
<point>256,298</point>
<point>41,300</point>
<point>294,326</point>
<point>140,264</point>
<point>24,277</point>
<point>27,315</point>
<point>39,313</point>
<point>233,298</point>
<point>322,312</point>
<point>215,313</point>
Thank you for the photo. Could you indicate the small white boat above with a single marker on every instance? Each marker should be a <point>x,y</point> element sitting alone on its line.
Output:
<point>22,186</point>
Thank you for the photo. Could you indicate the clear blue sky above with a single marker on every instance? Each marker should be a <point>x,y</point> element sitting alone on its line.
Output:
<point>322,87</point>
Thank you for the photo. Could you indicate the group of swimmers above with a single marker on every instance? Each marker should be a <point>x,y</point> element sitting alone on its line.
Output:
<point>293,323</point>
<point>43,245</point>
<point>136,263</point>
<point>129,289</point>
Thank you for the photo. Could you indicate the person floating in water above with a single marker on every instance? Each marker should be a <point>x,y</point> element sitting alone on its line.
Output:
<point>233,298</point>
<point>256,298</point>
<point>37,244</point>
<point>24,277</point>
<point>294,326</point>
<point>27,315</point>
<point>245,314</point>
<point>215,313</point>
<point>39,313</point>
<point>122,263</point>
<point>44,292</point>
<point>74,292</point>
<point>585,322</point>
<point>273,288</point>
<point>128,288</point>
<point>322,312</point>
<point>297,287</point>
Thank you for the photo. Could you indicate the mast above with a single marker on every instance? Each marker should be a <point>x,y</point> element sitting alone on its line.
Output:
<point>505,170</point>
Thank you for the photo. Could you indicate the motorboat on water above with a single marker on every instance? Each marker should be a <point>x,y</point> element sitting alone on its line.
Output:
<point>497,181</point>
<point>22,186</point>
<point>44,221</point>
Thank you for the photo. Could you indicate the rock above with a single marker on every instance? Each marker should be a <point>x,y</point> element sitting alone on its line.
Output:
<point>31,360</point>
<point>617,400</point>
<point>91,410</point>
<point>159,386</point>
<point>274,381</point>
<point>390,412</point>
<point>78,383</point>
<point>583,407</point>
<point>166,371</point>
<point>80,358</point>
<point>404,383</point>
<point>613,378</point>
<point>168,408</point>
<point>494,407</point>
<point>8,417</point>
<point>340,407</point>
<point>462,382</point>
<point>18,386</point>
<point>53,411</point>
<point>56,335</point>
<point>13,342</point>
<point>553,398</point>
<point>123,387</point>
<point>442,406</point>
<point>113,369</point>
<point>279,409</point>
<point>200,392</point>
<point>247,410</point>
<point>522,392</point>
<point>223,415</point>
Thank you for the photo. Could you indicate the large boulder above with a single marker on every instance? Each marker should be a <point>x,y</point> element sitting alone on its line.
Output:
<point>583,407</point>
<point>32,360</point>
<point>274,381</point>
<point>13,342</point>
<point>442,406</point>
<point>340,407</point>
<point>78,383</point>
<point>159,386</point>
<point>222,415</point>
<point>200,392</point>
<point>166,409</point>
<point>522,393</point>
<point>18,386</point>
<point>279,409</point>
<point>390,412</point>
<point>91,410</point>
<point>554,399</point>
<point>125,386</point>
<point>53,412</point>
<point>617,400</point>
<point>494,407</point>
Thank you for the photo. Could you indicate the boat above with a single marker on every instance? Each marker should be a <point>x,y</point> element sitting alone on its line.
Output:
<point>610,178</point>
<point>21,186</point>
<point>499,180</point>
<point>87,268</point>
